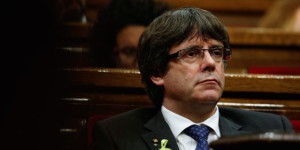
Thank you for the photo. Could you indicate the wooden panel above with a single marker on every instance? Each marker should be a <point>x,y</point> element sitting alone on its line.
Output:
<point>290,107</point>
<point>123,78</point>
<point>245,57</point>
<point>106,77</point>
<point>76,29</point>
<point>220,5</point>
<point>223,5</point>
<point>263,36</point>
<point>238,36</point>
<point>262,83</point>
<point>231,12</point>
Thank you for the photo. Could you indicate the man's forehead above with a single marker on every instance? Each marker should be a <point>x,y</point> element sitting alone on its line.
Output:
<point>196,34</point>
<point>200,39</point>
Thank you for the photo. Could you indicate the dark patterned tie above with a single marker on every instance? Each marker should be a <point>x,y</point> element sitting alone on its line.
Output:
<point>199,134</point>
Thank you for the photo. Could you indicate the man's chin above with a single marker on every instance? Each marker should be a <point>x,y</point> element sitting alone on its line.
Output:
<point>207,100</point>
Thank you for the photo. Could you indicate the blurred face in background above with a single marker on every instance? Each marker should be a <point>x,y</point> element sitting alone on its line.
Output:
<point>126,46</point>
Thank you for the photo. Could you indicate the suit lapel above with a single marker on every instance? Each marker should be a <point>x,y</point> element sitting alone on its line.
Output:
<point>229,127</point>
<point>159,130</point>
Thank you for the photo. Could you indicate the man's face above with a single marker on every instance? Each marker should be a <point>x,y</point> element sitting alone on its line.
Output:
<point>126,46</point>
<point>198,82</point>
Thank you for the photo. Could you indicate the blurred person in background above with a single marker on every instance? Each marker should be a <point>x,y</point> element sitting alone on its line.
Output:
<point>116,32</point>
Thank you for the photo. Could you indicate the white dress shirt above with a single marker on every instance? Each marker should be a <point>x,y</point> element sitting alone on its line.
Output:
<point>178,123</point>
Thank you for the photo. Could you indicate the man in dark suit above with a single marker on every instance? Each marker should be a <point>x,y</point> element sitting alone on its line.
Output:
<point>182,56</point>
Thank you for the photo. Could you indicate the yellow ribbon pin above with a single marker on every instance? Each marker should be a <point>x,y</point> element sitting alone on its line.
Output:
<point>164,144</point>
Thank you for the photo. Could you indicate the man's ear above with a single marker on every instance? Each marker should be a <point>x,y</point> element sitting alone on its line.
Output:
<point>157,80</point>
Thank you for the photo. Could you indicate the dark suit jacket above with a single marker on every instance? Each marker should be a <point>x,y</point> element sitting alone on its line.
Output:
<point>136,129</point>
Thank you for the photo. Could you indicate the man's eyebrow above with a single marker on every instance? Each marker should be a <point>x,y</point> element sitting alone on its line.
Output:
<point>199,46</point>
<point>217,45</point>
<point>193,46</point>
<point>196,46</point>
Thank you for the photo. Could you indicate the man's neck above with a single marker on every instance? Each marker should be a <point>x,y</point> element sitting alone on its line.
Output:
<point>196,112</point>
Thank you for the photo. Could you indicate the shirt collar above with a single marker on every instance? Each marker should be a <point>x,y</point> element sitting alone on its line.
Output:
<point>178,123</point>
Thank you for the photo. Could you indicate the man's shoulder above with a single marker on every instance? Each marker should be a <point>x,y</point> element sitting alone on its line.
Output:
<point>123,130</point>
<point>237,112</point>
<point>135,116</point>
<point>248,117</point>
<point>256,121</point>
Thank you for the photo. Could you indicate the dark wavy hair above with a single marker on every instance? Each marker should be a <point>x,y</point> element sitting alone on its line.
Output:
<point>173,27</point>
<point>111,20</point>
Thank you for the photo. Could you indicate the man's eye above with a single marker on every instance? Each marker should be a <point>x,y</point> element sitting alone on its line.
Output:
<point>191,53</point>
<point>216,53</point>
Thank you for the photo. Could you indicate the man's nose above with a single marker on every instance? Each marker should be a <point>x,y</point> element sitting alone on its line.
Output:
<point>207,63</point>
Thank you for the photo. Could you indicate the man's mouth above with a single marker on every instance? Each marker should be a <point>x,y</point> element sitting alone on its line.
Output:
<point>209,81</point>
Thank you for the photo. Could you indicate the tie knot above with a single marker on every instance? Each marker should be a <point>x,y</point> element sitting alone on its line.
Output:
<point>198,133</point>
